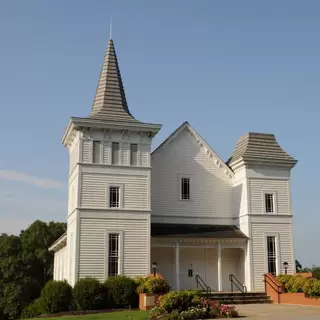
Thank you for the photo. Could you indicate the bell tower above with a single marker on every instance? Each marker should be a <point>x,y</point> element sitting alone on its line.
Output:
<point>109,184</point>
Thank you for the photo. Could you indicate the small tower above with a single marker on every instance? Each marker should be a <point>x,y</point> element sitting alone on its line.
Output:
<point>109,184</point>
<point>262,189</point>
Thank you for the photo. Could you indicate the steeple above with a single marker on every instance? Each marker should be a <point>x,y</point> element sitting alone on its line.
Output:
<point>110,101</point>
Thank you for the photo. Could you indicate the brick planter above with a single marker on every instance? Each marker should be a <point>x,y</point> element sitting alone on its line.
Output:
<point>148,301</point>
<point>276,292</point>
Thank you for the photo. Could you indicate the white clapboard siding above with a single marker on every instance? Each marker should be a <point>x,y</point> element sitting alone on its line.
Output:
<point>144,155</point>
<point>94,190</point>
<point>93,249</point>
<point>86,151</point>
<point>60,264</point>
<point>71,248</point>
<point>211,188</point>
<point>281,189</point>
<point>259,250</point>
<point>74,156</point>
<point>239,198</point>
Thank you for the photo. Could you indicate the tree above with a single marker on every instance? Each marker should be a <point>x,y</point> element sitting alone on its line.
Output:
<point>298,266</point>
<point>26,265</point>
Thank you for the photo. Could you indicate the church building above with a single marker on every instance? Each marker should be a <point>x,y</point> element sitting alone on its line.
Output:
<point>180,209</point>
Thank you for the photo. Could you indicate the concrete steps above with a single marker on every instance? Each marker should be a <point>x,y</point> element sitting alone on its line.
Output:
<point>240,298</point>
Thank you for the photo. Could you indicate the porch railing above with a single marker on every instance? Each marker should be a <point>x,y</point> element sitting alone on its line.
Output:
<point>235,282</point>
<point>200,283</point>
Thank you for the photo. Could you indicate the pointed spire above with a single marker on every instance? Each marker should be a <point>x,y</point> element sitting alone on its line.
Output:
<point>110,101</point>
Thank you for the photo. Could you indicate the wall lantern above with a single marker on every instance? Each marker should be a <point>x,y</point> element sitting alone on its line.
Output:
<point>285,265</point>
<point>154,268</point>
<point>190,272</point>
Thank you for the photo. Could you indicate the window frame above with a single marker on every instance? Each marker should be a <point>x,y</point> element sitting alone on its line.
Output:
<point>121,251</point>
<point>274,202</point>
<point>277,247</point>
<point>180,187</point>
<point>121,195</point>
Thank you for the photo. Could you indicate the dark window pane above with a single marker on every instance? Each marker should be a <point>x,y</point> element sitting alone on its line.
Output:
<point>114,195</point>
<point>185,188</point>
<point>96,150</point>
<point>113,254</point>
<point>272,255</point>
<point>115,153</point>
<point>133,154</point>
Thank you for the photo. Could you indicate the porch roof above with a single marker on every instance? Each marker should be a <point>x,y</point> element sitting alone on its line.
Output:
<point>196,231</point>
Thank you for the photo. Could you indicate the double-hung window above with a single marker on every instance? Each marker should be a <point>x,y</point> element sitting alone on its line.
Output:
<point>133,154</point>
<point>113,254</point>
<point>115,153</point>
<point>185,188</point>
<point>269,200</point>
<point>114,197</point>
<point>272,255</point>
<point>96,151</point>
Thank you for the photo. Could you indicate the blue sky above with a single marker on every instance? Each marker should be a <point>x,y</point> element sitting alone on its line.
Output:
<point>228,67</point>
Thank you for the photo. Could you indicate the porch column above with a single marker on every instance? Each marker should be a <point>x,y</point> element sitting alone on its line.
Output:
<point>177,266</point>
<point>219,268</point>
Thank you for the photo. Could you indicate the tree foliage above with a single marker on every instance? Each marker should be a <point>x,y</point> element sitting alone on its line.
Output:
<point>26,265</point>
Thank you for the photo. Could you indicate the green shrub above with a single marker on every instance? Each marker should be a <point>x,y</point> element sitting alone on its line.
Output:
<point>153,285</point>
<point>177,300</point>
<point>122,292</point>
<point>32,310</point>
<point>90,294</point>
<point>298,283</point>
<point>56,296</point>
<point>311,287</point>
<point>156,312</point>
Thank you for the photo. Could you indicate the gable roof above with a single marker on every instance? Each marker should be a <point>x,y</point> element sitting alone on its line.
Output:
<point>261,148</point>
<point>110,101</point>
<point>211,152</point>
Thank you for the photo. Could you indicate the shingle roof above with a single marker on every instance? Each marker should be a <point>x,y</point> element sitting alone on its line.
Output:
<point>198,231</point>
<point>110,101</point>
<point>260,148</point>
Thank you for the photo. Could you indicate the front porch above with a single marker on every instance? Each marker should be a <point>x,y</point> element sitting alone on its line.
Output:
<point>211,255</point>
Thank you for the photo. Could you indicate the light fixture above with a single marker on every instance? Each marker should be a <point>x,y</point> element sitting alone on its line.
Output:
<point>154,268</point>
<point>285,265</point>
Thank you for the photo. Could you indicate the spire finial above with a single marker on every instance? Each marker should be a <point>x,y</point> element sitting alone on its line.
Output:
<point>110,28</point>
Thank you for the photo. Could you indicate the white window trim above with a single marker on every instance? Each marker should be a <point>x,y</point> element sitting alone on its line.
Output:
<point>278,260</point>
<point>275,201</point>
<point>121,253</point>
<point>190,187</point>
<point>121,195</point>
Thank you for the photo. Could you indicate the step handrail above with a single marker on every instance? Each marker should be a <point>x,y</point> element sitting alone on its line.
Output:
<point>200,282</point>
<point>275,286</point>
<point>234,281</point>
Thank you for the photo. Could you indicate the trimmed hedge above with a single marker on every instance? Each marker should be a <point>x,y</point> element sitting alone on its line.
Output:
<point>122,292</point>
<point>56,296</point>
<point>90,294</point>
<point>153,284</point>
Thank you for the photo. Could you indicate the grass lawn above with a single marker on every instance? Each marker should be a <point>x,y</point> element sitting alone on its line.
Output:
<point>117,315</point>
